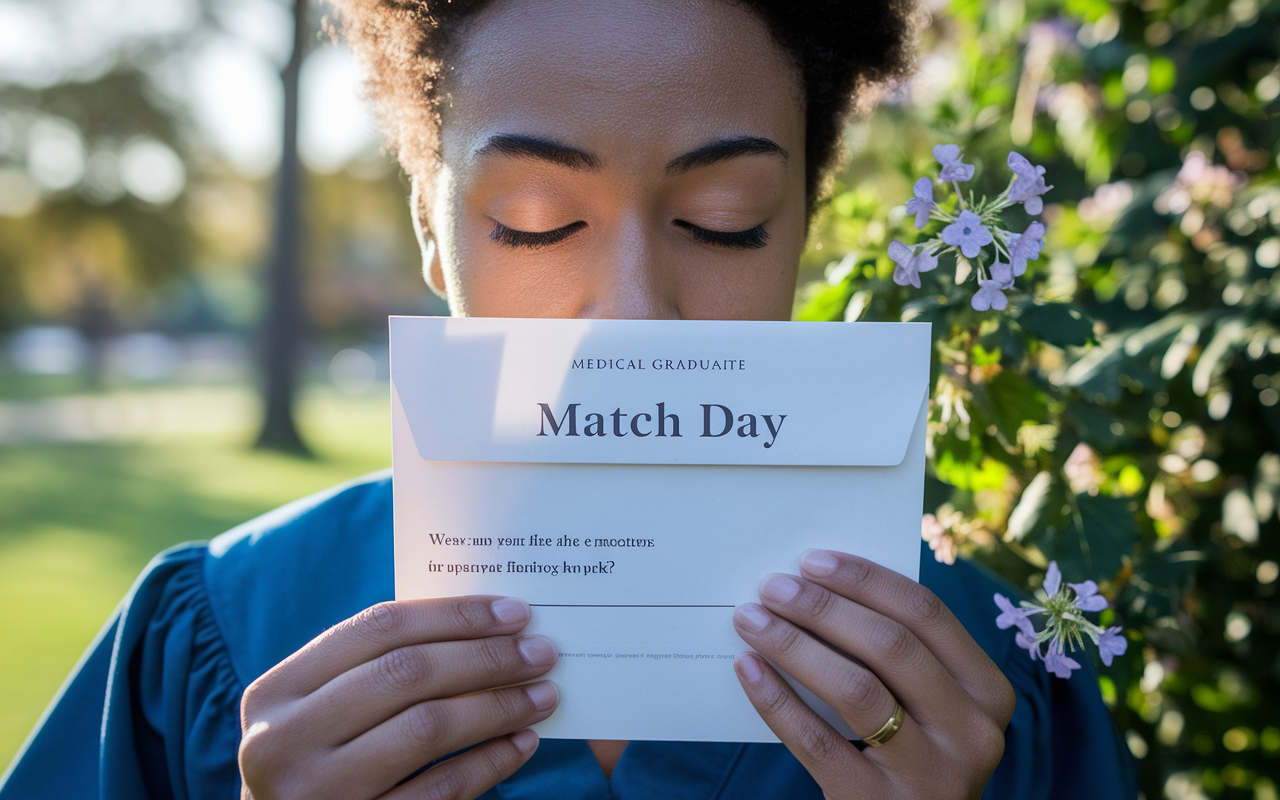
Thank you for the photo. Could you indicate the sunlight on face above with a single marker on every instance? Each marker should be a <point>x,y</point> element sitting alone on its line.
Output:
<point>618,159</point>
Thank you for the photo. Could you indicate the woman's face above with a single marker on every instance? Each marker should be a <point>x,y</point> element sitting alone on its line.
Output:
<point>618,158</point>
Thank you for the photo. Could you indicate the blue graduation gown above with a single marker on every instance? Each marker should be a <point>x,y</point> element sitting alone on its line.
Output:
<point>152,709</point>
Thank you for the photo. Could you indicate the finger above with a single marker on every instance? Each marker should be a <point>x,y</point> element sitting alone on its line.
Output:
<point>472,773</point>
<point>833,762</point>
<point>388,626</point>
<point>377,690</point>
<point>375,761</point>
<point>851,689</point>
<point>920,610</point>
<point>918,681</point>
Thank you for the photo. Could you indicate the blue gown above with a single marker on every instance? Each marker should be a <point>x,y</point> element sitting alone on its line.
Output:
<point>152,709</point>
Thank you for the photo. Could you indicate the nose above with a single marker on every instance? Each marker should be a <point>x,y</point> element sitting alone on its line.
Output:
<point>631,281</point>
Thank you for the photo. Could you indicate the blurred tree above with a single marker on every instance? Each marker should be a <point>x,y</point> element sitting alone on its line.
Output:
<point>282,326</point>
<point>1123,415</point>
<point>96,214</point>
<point>88,231</point>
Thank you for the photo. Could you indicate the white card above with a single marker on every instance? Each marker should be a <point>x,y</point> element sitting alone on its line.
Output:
<point>634,480</point>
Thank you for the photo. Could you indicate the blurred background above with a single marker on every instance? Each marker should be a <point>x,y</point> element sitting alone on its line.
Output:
<point>177,179</point>
<point>201,238</point>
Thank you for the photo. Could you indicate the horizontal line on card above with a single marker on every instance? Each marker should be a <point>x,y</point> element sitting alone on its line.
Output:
<point>592,605</point>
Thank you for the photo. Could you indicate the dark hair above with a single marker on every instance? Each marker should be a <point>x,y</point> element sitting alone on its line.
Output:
<point>847,52</point>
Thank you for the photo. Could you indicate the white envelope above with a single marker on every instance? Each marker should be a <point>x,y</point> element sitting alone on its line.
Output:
<point>540,459</point>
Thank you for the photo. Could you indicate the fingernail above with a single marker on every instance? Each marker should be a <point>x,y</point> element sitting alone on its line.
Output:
<point>538,651</point>
<point>818,562</point>
<point>749,667</point>
<point>751,616</point>
<point>525,741</point>
<point>779,588</point>
<point>509,610</point>
<point>543,694</point>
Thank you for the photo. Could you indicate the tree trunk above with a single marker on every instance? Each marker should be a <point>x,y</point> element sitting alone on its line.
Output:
<point>282,328</point>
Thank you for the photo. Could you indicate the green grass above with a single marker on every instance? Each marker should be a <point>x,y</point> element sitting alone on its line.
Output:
<point>78,521</point>
<point>19,386</point>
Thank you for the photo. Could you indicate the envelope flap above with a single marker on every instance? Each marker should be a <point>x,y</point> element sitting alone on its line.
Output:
<point>659,391</point>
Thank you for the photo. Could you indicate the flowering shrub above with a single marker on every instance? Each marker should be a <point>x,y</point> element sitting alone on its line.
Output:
<point>1119,417</point>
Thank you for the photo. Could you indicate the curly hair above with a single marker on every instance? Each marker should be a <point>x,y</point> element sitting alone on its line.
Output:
<point>847,52</point>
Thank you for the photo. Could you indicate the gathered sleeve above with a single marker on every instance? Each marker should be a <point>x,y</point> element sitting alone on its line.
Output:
<point>151,710</point>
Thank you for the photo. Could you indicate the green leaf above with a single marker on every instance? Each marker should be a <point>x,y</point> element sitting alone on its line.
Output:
<point>1161,75</point>
<point>1090,543</point>
<point>1211,698</point>
<point>971,477</point>
<point>985,358</point>
<point>1061,324</point>
<point>1088,10</point>
<point>1025,516</point>
<point>827,304</point>
<point>1010,400</point>
<point>1109,534</point>
<point>1101,429</point>
<point>1165,572</point>
<point>1217,355</point>
<point>1126,359</point>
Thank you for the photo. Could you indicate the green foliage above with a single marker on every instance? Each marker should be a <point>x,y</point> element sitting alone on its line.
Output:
<point>1061,324</point>
<point>89,250</point>
<point>1123,415</point>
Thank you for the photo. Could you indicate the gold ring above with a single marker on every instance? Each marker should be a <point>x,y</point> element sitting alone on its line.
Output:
<point>888,729</point>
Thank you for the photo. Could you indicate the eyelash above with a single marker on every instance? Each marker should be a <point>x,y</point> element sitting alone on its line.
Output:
<point>533,240</point>
<point>750,239</point>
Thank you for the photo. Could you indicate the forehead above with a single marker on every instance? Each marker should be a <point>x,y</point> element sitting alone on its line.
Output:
<point>626,79</point>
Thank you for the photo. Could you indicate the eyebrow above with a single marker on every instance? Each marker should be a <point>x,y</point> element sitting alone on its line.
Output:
<point>722,149</point>
<point>521,146</point>
<point>518,146</point>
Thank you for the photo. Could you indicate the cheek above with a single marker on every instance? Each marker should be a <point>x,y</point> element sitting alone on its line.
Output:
<point>760,288</point>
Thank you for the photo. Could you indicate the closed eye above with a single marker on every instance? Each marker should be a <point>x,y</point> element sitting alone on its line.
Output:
<point>750,239</point>
<point>510,237</point>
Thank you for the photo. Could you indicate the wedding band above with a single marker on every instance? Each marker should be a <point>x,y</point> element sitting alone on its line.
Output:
<point>887,730</point>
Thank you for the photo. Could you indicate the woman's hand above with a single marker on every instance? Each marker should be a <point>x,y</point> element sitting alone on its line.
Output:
<point>915,653</point>
<point>373,699</point>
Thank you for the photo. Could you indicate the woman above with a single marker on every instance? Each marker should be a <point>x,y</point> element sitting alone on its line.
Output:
<point>628,158</point>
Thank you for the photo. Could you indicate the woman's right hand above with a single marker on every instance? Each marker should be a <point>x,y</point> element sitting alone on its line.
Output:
<point>370,701</point>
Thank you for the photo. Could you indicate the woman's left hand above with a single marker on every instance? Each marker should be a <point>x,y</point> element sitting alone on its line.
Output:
<point>956,702</point>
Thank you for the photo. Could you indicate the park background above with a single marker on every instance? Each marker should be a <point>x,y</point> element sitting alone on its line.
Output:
<point>201,238</point>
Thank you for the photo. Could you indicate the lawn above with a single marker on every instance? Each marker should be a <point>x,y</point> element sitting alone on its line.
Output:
<point>78,521</point>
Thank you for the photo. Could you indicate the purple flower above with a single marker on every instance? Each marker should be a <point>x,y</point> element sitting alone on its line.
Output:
<point>1026,247</point>
<point>1111,644</point>
<point>953,169</point>
<point>1058,663</point>
<point>1028,184</point>
<point>968,233</point>
<point>922,203</point>
<point>1011,615</point>
<point>1052,579</point>
<point>1087,597</point>
<point>1002,274</point>
<point>910,263</point>
<point>1029,643</point>
<point>989,295</point>
<point>1065,623</point>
